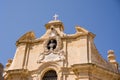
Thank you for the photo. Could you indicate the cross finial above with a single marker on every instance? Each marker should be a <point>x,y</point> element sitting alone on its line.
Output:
<point>55,16</point>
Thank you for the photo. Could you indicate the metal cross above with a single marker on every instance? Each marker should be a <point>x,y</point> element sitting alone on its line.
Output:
<point>55,16</point>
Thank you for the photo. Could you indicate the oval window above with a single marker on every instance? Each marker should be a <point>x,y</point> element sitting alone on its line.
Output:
<point>52,44</point>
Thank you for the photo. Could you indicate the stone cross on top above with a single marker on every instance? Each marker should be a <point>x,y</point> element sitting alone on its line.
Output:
<point>55,17</point>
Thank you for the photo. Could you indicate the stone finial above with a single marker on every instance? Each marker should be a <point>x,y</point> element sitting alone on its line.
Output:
<point>111,58</point>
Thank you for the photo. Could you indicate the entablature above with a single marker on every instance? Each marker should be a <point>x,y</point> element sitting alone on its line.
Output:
<point>93,69</point>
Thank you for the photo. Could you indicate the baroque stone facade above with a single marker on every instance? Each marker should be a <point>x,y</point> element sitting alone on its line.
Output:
<point>60,56</point>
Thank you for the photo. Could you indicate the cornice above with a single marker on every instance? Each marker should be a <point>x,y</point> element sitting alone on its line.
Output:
<point>21,72</point>
<point>92,70</point>
<point>55,24</point>
<point>29,37</point>
<point>67,36</point>
<point>91,67</point>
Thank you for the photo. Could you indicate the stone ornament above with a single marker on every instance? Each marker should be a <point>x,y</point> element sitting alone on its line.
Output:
<point>52,48</point>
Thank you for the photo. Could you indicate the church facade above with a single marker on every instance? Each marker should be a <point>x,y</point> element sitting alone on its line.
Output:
<point>60,56</point>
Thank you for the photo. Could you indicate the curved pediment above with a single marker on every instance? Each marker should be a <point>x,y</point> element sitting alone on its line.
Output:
<point>81,30</point>
<point>84,31</point>
<point>27,37</point>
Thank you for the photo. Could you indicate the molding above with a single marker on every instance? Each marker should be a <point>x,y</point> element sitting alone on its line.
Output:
<point>92,69</point>
<point>55,24</point>
<point>30,38</point>
<point>19,72</point>
<point>27,37</point>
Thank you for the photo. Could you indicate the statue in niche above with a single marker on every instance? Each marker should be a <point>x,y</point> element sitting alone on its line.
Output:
<point>52,51</point>
<point>52,44</point>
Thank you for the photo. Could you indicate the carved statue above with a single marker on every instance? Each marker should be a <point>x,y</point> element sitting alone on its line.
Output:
<point>52,44</point>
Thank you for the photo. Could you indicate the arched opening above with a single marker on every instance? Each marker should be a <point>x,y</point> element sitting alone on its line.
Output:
<point>50,75</point>
<point>52,44</point>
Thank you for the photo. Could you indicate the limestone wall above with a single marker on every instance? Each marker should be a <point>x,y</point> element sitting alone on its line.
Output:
<point>77,50</point>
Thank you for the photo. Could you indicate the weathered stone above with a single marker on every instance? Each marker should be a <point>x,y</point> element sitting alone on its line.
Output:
<point>67,57</point>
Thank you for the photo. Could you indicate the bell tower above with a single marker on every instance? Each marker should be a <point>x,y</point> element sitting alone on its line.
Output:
<point>53,45</point>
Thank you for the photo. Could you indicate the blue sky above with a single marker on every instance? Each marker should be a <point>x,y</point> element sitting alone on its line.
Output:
<point>101,17</point>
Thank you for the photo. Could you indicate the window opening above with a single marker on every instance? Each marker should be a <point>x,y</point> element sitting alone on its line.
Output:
<point>52,44</point>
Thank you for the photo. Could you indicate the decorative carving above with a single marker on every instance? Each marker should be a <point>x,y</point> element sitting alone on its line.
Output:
<point>54,40</point>
<point>59,56</point>
<point>52,44</point>
<point>52,48</point>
